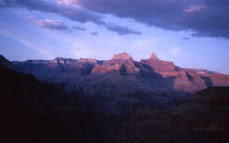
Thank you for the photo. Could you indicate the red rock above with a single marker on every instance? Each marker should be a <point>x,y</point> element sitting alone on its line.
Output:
<point>83,60</point>
<point>116,65</point>
<point>166,69</point>
<point>122,56</point>
<point>122,63</point>
<point>153,56</point>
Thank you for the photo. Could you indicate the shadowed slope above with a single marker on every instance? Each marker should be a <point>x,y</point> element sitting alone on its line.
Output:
<point>34,111</point>
<point>205,118</point>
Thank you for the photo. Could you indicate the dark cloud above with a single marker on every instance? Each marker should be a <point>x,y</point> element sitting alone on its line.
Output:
<point>203,17</point>
<point>74,13</point>
<point>94,33</point>
<point>52,24</point>
<point>120,29</point>
<point>78,28</point>
<point>186,38</point>
<point>68,10</point>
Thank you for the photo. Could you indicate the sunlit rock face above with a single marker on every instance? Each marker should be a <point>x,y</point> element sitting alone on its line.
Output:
<point>188,80</point>
<point>164,68</point>
<point>122,63</point>
<point>122,56</point>
<point>213,78</point>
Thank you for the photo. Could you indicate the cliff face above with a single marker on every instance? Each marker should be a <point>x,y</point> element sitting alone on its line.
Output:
<point>166,69</point>
<point>121,63</point>
<point>153,73</point>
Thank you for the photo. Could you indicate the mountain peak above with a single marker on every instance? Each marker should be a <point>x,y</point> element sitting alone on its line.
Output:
<point>153,56</point>
<point>122,56</point>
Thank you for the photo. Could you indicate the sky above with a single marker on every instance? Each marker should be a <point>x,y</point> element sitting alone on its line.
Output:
<point>190,33</point>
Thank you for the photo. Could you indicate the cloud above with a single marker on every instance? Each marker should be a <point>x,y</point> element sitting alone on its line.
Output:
<point>65,2</point>
<point>121,30</point>
<point>78,28</point>
<point>174,51</point>
<point>30,17</point>
<point>2,3</point>
<point>204,17</point>
<point>94,33</point>
<point>195,9</point>
<point>72,12</point>
<point>186,38</point>
<point>52,24</point>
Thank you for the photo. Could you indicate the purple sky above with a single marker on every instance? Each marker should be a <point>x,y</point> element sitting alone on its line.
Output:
<point>191,33</point>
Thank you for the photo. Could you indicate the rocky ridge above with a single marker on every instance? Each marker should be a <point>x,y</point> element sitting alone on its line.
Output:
<point>150,71</point>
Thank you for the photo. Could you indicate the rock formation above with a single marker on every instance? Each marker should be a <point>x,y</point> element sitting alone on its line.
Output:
<point>122,63</point>
<point>122,56</point>
<point>152,72</point>
<point>153,56</point>
<point>166,69</point>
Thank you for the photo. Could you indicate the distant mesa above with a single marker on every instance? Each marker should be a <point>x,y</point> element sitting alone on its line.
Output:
<point>122,56</point>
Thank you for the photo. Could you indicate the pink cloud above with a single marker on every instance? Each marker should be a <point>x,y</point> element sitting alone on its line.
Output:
<point>66,2</point>
<point>195,9</point>
<point>52,24</point>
